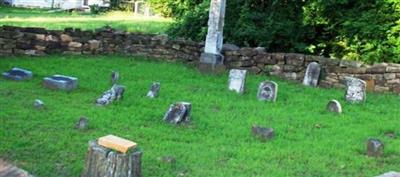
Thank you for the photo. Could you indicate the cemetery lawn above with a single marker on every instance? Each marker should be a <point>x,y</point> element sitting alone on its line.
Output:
<point>125,21</point>
<point>218,142</point>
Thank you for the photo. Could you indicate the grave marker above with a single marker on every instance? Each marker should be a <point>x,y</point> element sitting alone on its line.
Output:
<point>267,91</point>
<point>154,89</point>
<point>178,113</point>
<point>18,74</point>
<point>114,94</point>
<point>60,82</point>
<point>334,106</point>
<point>312,74</point>
<point>237,80</point>
<point>356,90</point>
<point>374,148</point>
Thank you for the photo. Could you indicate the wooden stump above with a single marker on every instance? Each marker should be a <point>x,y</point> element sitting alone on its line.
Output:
<point>104,162</point>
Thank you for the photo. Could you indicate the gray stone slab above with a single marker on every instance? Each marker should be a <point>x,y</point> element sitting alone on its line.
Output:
<point>18,74</point>
<point>355,90</point>
<point>60,82</point>
<point>267,91</point>
<point>114,94</point>
<point>237,79</point>
<point>154,90</point>
<point>311,76</point>
<point>178,113</point>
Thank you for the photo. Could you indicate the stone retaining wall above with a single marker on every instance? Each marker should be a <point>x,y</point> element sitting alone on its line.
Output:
<point>380,77</point>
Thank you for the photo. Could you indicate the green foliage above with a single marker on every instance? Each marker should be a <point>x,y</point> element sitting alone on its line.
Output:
<point>218,143</point>
<point>366,30</point>
<point>174,8</point>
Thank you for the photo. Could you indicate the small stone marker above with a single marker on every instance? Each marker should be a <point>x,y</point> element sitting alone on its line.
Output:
<point>355,91</point>
<point>102,161</point>
<point>167,159</point>
<point>390,174</point>
<point>334,106</point>
<point>60,82</point>
<point>116,143</point>
<point>374,148</point>
<point>267,91</point>
<point>154,89</point>
<point>38,104</point>
<point>312,74</point>
<point>114,94</point>
<point>237,80</point>
<point>178,113</point>
<point>82,124</point>
<point>114,77</point>
<point>18,74</point>
<point>262,132</point>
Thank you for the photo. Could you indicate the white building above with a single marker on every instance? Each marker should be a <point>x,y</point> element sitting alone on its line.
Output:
<point>63,4</point>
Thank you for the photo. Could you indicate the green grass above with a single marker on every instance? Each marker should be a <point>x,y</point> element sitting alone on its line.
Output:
<point>218,142</point>
<point>59,20</point>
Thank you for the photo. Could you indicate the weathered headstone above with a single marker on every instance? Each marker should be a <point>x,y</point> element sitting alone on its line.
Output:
<point>390,174</point>
<point>211,59</point>
<point>374,148</point>
<point>355,90</point>
<point>114,77</point>
<point>334,106</point>
<point>114,94</point>
<point>102,161</point>
<point>154,89</point>
<point>237,80</point>
<point>38,104</point>
<point>262,132</point>
<point>82,124</point>
<point>178,113</point>
<point>267,91</point>
<point>311,76</point>
<point>18,74</point>
<point>60,82</point>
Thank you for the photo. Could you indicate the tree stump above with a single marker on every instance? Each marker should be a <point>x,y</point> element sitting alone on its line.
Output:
<point>104,162</point>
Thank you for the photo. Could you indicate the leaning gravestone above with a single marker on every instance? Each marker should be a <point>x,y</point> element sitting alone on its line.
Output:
<point>267,91</point>
<point>334,106</point>
<point>237,80</point>
<point>356,90</point>
<point>114,94</point>
<point>18,74</point>
<point>374,148</point>
<point>114,77</point>
<point>60,82</point>
<point>154,89</point>
<point>211,60</point>
<point>178,113</point>
<point>111,156</point>
<point>312,74</point>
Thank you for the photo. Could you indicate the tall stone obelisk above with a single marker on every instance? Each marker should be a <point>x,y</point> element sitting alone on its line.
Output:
<point>211,59</point>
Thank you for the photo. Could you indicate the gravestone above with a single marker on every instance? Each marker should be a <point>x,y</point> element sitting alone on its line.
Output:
<point>262,132</point>
<point>211,60</point>
<point>334,106</point>
<point>267,91</point>
<point>18,74</point>
<point>178,113</point>
<point>237,80</point>
<point>82,124</point>
<point>114,77</point>
<point>374,148</point>
<point>38,104</point>
<point>60,82</point>
<point>390,174</point>
<point>311,76</point>
<point>154,89</point>
<point>109,161</point>
<point>355,90</point>
<point>114,94</point>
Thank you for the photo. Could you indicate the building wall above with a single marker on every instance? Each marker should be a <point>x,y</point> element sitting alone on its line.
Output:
<point>380,77</point>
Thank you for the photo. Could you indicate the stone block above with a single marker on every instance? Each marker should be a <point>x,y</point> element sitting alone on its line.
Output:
<point>18,74</point>
<point>60,82</point>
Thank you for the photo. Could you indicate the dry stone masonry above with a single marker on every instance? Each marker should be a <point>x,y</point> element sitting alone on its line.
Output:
<point>381,77</point>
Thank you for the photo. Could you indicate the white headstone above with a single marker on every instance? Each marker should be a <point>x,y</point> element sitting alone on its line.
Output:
<point>237,80</point>
<point>312,74</point>
<point>267,91</point>
<point>356,90</point>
